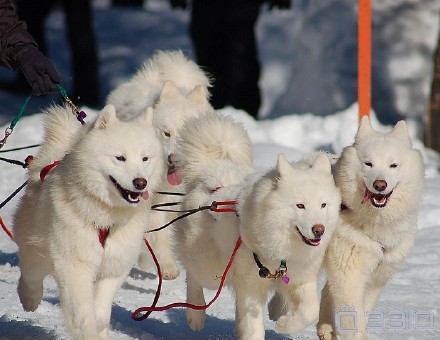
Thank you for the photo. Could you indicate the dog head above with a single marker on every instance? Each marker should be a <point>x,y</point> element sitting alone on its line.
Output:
<point>314,199</point>
<point>380,170</point>
<point>119,163</point>
<point>293,208</point>
<point>170,112</point>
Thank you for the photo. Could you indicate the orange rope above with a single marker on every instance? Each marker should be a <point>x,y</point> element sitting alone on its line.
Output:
<point>364,57</point>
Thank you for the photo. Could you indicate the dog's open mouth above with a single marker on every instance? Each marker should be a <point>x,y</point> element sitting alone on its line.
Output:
<point>311,242</point>
<point>132,197</point>
<point>377,200</point>
<point>173,175</point>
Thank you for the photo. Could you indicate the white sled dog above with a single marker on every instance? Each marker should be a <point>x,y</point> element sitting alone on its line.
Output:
<point>177,89</point>
<point>84,221</point>
<point>381,179</point>
<point>284,217</point>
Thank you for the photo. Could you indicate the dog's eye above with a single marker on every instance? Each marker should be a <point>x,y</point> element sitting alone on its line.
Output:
<point>121,158</point>
<point>369,164</point>
<point>144,159</point>
<point>394,165</point>
<point>300,206</point>
<point>212,190</point>
<point>323,205</point>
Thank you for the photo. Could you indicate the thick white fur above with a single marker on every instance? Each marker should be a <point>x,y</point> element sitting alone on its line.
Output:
<point>144,88</point>
<point>56,223</point>
<point>269,213</point>
<point>177,89</point>
<point>208,138</point>
<point>370,245</point>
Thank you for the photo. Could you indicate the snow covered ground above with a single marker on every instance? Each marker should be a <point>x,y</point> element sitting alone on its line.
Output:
<point>410,303</point>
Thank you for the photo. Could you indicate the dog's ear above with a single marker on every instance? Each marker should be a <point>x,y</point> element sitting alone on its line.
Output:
<point>283,166</point>
<point>400,131</point>
<point>106,117</point>
<point>365,129</point>
<point>198,95</point>
<point>146,118</point>
<point>322,163</point>
<point>169,90</point>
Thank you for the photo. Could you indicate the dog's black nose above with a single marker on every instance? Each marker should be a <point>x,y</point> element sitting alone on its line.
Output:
<point>380,185</point>
<point>318,230</point>
<point>140,183</point>
<point>170,160</point>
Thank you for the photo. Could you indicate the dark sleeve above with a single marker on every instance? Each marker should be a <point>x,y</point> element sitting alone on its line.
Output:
<point>14,37</point>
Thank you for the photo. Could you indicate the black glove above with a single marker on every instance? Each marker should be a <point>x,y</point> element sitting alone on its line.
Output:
<point>39,71</point>
<point>280,4</point>
<point>178,4</point>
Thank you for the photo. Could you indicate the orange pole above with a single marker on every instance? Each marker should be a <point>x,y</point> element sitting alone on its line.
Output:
<point>364,57</point>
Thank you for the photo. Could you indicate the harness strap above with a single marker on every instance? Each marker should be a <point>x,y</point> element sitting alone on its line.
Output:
<point>47,168</point>
<point>213,207</point>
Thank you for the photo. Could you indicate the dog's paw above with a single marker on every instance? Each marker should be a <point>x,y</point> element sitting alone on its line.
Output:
<point>196,319</point>
<point>170,271</point>
<point>289,324</point>
<point>29,298</point>
<point>325,332</point>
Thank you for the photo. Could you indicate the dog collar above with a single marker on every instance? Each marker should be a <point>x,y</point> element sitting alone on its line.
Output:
<point>102,235</point>
<point>103,232</point>
<point>47,168</point>
<point>265,273</point>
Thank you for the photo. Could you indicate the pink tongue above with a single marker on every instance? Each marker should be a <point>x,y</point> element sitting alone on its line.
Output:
<point>368,195</point>
<point>145,195</point>
<point>174,178</point>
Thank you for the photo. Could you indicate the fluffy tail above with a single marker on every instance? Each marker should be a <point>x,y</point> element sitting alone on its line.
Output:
<point>143,89</point>
<point>176,67</point>
<point>61,128</point>
<point>211,137</point>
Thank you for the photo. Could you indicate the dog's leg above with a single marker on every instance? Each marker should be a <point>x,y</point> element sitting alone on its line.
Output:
<point>304,304</point>
<point>75,283</point>
<point>326,327</point>
<point>194,295</point>
<point>371,296</point>
<point>165,255</point>
<point>160,242</point>
<point>249,307</point>
<point>33,269</point>
<point>277,307</point>
<point>348,302</point>
<point>105,290</point>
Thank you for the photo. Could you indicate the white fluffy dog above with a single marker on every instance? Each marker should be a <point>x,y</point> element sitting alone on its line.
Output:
<point>177,89</point>
<point>381,179</point>
<point>83,220</point>
<point>285,218</point>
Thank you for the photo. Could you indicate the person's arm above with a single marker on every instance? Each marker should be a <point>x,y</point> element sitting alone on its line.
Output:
<point>18,49</point>
<point>14,37</point>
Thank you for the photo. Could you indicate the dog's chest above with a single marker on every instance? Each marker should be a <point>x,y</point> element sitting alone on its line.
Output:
<point>120,251</point>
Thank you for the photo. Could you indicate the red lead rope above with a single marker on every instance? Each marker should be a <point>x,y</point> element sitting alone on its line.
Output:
<point>148,310</point>
<point>6,230</point>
